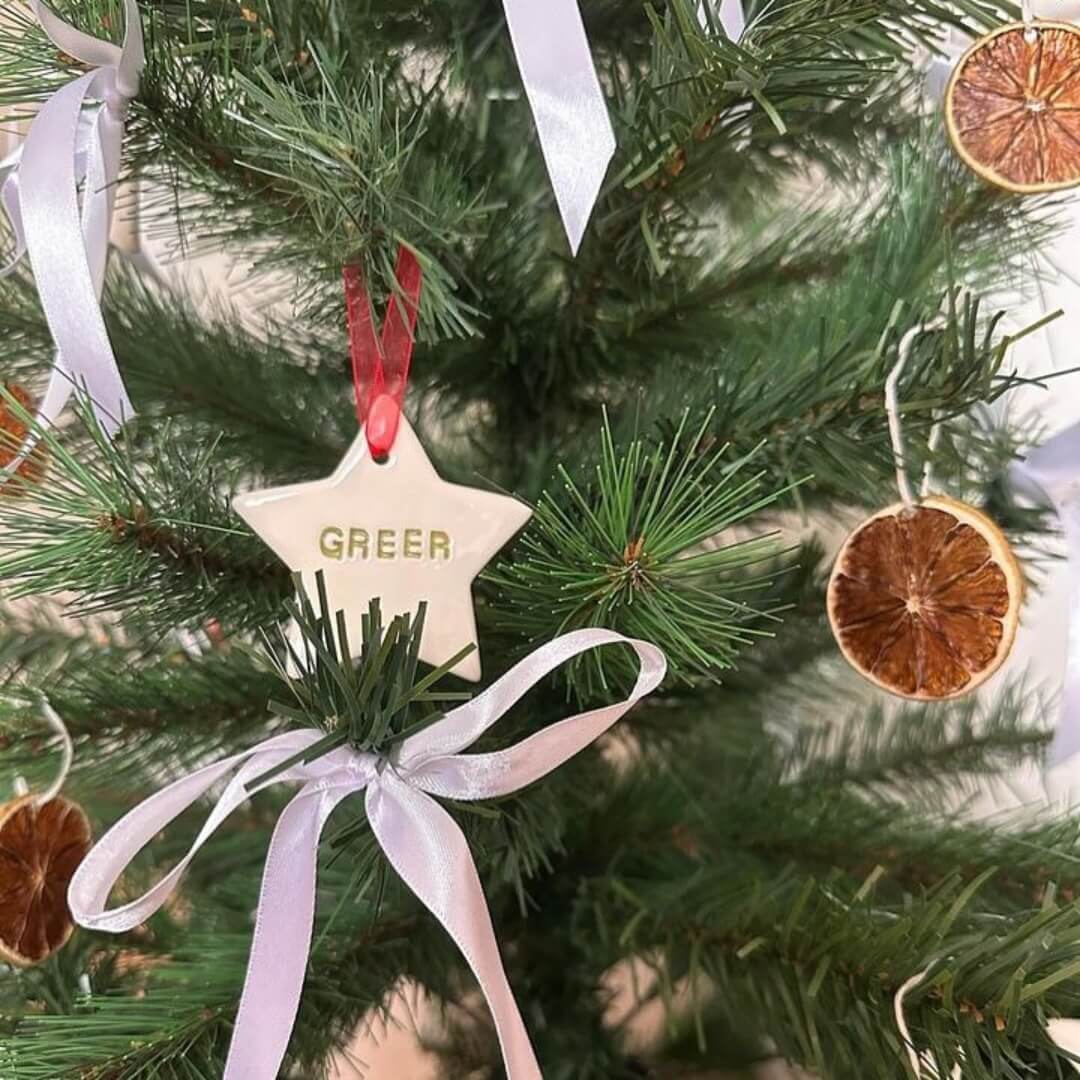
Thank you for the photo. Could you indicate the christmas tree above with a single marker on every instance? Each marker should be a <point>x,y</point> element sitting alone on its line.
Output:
<point>764,851</point>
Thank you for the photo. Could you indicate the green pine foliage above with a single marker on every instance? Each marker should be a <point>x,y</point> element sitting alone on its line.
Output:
<point>689,406</point>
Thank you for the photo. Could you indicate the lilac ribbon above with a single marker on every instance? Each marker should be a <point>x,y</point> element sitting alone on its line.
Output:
<point>733,18</point>
<point>75,141</point>
<point>9,201</point>
<point>730,13</point>
<point>567,103</point>
<point>1053,472</point>
<point>419,838</point>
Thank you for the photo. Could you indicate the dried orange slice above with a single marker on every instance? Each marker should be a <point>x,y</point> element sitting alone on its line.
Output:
<point>1013,107</point>
<point>924,601</point>
<point>40,849</point>
<point>13,430</point>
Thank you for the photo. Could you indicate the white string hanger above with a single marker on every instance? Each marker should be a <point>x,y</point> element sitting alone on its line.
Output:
<point>1031,34</point>
<point>921,1067</point>
<point>67,758</point>
<point>892,411</point>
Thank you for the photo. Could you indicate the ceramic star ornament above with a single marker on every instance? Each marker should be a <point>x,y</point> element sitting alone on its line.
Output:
<point>1066,1034</point>
<point>393,530</point>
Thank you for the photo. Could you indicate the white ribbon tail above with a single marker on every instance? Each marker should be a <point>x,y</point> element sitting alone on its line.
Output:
<point>1067,737</point>
<point>68,247</point>
<point>75,42</point>
<point>127,60</point>
<point>9,199</point>
<point>567,103</point>
<point>282,939</point>
<point>426,847</point>
<point>69,263</point>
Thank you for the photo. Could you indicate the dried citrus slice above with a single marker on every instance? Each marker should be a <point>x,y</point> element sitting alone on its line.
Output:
<point>924,600</point>
<point>40,849</point>
<point>1013,107</point>
<point>13,430</point>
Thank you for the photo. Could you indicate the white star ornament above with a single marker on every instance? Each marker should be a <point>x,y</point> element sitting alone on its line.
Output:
<point>393,530</point>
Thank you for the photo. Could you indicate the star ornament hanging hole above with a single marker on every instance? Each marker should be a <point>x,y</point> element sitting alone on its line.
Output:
<point>391,529</point>
<point>1012,107</point>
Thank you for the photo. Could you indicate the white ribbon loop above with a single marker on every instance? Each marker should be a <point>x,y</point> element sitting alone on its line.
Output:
<point>71,146</point>
<point>567,104</point>
<point>419,838</point>
<point>1052,474</point>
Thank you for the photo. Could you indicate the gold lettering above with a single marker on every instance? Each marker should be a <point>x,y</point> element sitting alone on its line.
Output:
<point>330,542</point>
<point>439,544</point>
<point>358,543</point>
<point>414,544</point>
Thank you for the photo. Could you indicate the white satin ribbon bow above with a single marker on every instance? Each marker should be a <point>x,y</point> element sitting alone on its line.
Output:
<point>419,838</point>
<point>67,147</point>
<point>1053,472</point>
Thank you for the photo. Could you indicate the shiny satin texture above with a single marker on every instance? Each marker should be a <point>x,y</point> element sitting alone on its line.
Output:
<point>419,838</point>
<point>75,141</point>
<point>733,18</point>
<point>1052,473</point>
<point>567,104</point>
<point>567,101</point>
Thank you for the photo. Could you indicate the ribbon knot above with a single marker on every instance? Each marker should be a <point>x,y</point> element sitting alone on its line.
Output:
<point>117,103</point>
<point>421,841</point>
<point>74,146</point>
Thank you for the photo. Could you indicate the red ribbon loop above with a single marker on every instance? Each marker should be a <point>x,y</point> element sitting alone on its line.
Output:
<point>381,366</point>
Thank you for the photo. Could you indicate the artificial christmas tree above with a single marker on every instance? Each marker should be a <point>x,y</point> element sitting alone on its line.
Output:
<point>689,404</point>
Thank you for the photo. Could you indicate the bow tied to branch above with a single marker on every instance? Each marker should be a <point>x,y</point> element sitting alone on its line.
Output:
<point>420,839</point>
<point>74,145</point>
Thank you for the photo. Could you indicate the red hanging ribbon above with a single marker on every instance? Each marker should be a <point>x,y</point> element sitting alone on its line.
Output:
<point>381,366</point>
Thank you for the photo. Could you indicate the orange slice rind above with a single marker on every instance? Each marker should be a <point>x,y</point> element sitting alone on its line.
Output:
<point>1012,107</point>
<point>924,601</point>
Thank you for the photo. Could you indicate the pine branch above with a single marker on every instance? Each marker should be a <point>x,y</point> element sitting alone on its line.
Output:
<point>636,550</point>
<point>920,751</point>
<point>133,709</point>
<point>419,170</point>
<point>777,281</point>
<point>178,1026</point>
<point>153,534</point>
<point>823,960</point>
<point>274,399</point>
<point>278,401</point>
<point>832,388</point>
